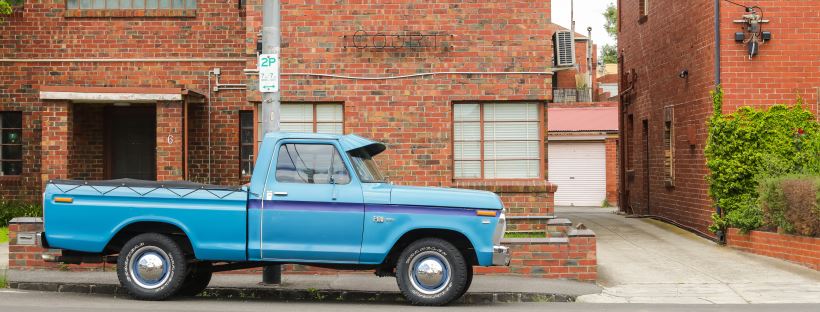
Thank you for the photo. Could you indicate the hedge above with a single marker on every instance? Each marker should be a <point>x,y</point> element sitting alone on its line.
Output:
<point>12,209</point>
<point>751,145</point>
<point>791,204</point>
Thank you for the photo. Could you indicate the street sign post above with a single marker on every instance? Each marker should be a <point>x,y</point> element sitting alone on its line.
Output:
<point>269,72</point>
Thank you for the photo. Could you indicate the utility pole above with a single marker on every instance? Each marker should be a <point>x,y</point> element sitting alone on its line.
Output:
<point>271,44</point>
<point>589,62</point>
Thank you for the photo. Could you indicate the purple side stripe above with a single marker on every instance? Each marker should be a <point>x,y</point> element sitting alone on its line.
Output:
<point>352,207</point>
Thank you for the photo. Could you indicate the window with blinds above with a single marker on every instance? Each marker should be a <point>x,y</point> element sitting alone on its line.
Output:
<point>129,4</point>
<point>312,117</point>
<point>497,140</point>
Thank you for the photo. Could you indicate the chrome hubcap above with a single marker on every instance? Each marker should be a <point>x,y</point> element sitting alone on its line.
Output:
<point>429,272</point>
<point>149,267</point>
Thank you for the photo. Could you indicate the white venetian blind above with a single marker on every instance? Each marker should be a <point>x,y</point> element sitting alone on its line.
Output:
<point>310,117</point>
<point>511,140</point>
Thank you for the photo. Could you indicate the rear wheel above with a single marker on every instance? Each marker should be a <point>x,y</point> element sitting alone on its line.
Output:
<point>151,267</point>
<point>197,280</point>
<point>432,272</point>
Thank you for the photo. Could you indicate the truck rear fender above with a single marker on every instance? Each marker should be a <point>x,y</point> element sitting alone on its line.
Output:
<point>133,227</point>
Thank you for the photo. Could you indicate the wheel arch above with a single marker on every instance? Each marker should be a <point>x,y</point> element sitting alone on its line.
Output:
<point>137,227</point>
<point>458,239</point>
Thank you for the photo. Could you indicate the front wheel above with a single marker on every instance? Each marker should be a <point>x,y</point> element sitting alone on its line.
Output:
<point>151,267</point>
<point>432,272</point>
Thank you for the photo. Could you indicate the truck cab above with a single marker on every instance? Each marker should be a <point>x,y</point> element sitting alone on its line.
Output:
<point>313,199</point>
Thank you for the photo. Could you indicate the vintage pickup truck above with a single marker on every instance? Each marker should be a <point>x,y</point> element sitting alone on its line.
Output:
<point>313,199</point>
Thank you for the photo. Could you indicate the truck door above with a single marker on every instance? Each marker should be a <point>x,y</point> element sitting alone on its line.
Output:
<point>313,209</point>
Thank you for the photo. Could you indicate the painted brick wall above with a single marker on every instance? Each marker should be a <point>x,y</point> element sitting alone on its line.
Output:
<point>679,35</point>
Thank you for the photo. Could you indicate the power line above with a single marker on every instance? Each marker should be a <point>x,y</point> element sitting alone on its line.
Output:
<point>737,4</point>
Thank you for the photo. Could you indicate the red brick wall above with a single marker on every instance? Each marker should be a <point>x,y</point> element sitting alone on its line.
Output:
<point>611,146</point>
<point>170,140</point>
<point>575,259</point>
<point>658,51</point>
<point>41,31</point>
<point>87,158</point>
<point>798,249</point>
<point>411,115</point>
<point>786,68</point>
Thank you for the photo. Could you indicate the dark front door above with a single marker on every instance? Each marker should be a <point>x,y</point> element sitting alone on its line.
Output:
<point>131,142</point>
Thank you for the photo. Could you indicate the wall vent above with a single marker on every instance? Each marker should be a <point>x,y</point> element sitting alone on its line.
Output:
<point>564,48</point>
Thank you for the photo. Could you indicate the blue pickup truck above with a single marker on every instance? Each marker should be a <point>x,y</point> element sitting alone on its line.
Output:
<point>314,199</point>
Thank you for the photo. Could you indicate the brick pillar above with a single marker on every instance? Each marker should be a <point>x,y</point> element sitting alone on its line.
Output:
<point>56,141</point>
<point>170,141</point>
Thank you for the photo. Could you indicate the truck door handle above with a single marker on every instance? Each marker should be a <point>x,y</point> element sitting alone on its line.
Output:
<point>280,193</point>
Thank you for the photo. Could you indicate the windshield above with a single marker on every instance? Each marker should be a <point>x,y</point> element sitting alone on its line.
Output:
<point>365,166</point>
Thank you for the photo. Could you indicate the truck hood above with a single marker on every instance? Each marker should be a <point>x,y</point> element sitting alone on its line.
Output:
<point>444,197</point>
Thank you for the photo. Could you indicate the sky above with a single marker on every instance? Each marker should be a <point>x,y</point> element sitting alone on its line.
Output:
<point>588,13</point>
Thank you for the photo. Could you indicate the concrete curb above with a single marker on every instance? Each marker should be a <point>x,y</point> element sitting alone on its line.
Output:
<point>280,294</point>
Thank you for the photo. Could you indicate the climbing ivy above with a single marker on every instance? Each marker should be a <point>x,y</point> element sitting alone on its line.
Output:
<point>750,145</point>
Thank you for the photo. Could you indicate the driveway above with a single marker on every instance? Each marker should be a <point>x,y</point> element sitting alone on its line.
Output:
<point>648,261</point>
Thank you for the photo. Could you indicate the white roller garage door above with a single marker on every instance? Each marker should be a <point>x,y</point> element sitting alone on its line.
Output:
<point>579,170</point>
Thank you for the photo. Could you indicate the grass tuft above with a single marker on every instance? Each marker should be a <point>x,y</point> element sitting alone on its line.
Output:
<point>4,234</point>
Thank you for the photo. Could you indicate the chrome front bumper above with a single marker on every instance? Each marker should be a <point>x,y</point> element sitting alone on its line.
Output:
<point>501,256</point>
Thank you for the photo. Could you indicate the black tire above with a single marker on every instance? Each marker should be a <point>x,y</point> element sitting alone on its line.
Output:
<point>446,259</point>
<point>469,281</point>
<point>197,280</point>
<point>155,249</point>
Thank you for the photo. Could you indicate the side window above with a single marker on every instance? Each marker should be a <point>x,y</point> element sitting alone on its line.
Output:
<point>310,164</point>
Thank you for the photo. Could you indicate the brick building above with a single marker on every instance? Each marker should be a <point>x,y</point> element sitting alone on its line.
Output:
<point>166,90</point>
<point>670,60</point>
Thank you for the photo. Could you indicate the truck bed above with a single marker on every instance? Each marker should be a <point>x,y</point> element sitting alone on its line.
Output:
<point>90,213</point>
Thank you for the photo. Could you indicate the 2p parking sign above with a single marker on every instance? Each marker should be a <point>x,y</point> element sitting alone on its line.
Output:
<point>269,72</point>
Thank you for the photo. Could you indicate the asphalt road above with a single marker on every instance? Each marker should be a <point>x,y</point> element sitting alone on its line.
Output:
<point>14,300</point>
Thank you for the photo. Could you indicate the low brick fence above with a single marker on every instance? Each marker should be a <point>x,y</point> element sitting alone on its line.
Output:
<point>571,256</point>
<point>798,249</point>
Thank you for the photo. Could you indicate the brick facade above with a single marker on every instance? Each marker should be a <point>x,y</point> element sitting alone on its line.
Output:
<point>785,69</point>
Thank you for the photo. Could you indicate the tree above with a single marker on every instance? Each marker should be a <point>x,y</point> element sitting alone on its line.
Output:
<point>609,54</point>
<point>5,7</point>
<point>611,16</point>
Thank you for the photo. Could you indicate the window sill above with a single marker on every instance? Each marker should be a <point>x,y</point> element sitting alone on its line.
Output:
<point>131,13</point>
<point>508,186</point>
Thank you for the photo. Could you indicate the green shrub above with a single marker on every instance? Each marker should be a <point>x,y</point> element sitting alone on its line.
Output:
<point>12,209</point>
<point>751,145</point>
<point>792,204</point>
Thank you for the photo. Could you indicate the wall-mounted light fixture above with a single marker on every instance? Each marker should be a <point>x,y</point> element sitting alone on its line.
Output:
<point>753,36</point>
<point>684,74</point>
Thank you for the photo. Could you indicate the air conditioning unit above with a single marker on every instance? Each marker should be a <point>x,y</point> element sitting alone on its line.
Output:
<point>564,48</point>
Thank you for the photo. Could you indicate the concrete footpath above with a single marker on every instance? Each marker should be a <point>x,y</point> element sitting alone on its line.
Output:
<point>648,261</point>
<point>341,287</point>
